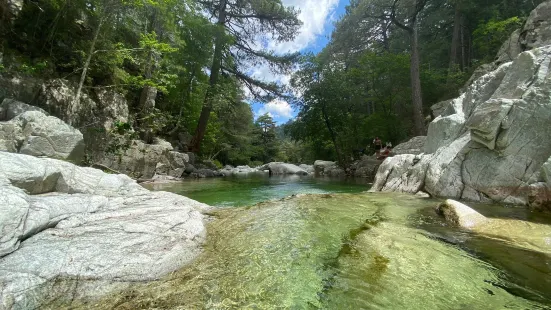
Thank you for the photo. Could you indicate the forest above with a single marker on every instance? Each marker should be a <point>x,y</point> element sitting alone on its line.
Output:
<point>386,64</point>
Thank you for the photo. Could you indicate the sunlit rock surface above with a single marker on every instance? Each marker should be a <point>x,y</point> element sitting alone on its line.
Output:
<point>490,144</point>
<point>70,232</point>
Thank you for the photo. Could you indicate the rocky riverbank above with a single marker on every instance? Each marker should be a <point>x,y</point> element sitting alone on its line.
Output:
<point>72,232</point>
<point>492,142</point>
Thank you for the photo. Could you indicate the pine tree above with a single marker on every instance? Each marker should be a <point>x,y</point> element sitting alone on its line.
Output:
<point>240,25</point>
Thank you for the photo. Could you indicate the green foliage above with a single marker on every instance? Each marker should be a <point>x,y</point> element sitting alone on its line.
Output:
<point>489,36</point>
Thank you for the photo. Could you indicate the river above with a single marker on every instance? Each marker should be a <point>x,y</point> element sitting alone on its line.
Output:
<point>335,246</point>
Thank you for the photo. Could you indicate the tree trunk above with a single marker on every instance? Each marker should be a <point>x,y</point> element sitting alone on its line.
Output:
<point>331,133</point>
<point>214,75</point>
<point>416,95</point>
<point>456,40</point>
<point>76,100</point>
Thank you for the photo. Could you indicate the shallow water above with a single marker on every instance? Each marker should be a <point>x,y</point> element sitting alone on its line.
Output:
<point>250,189</point>
<point>348,251</point>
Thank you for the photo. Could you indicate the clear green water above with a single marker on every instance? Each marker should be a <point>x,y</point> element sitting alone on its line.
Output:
<point>251,189</point>
<point>345,251</point>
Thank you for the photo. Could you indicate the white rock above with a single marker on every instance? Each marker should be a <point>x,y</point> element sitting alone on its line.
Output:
<point>460,214</point>
<point>88,225</point>
<point>278,168</point>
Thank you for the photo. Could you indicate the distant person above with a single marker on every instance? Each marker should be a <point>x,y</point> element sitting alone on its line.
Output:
<point>389,145</point>
<point>378,144</point>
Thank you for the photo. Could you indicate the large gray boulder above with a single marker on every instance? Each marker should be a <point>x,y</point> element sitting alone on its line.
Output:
<point>88,233</point>
<point>307,168</point>
<point>494,147</point>
<point>365,168</point>
<point>328,169</point>
<point>414,146</point>
<point>143,161</point>
<point>461,215</point>
<point>278,168</point>
<point>99,109</point>
<point>10,108</point>
<point>35,133</point>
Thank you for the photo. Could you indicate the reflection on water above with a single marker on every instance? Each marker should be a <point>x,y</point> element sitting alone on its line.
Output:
<point>347,251</point>
<point>250,189</point>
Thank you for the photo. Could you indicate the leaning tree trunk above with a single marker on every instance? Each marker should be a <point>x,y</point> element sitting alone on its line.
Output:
<point>416,96</point>
<point>76,101</point>
<point>213,81</point>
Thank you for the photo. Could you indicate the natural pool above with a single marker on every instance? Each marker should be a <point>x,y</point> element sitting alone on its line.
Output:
<point>250,189</point>
<point>345,251</point>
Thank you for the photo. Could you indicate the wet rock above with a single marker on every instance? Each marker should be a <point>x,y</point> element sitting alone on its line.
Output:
<point>460,214</point>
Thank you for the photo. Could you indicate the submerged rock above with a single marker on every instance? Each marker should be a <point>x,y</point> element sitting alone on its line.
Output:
<point>70,232</point>
<point>460,214</point>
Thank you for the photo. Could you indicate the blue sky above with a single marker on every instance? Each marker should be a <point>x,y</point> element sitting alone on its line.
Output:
<point>317,17</point>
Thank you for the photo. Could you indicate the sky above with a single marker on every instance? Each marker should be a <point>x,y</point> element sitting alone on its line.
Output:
<point>317,17</point>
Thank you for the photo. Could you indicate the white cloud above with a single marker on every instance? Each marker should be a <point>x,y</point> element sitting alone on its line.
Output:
<point>314,14</point>
<point>277,109</point>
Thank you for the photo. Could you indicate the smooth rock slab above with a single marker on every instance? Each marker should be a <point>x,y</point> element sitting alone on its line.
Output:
<point>85,233</point>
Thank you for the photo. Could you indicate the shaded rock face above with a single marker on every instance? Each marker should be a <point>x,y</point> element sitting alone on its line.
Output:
<point>278,168</point>
<point>10,108</point>
<point>57,97</point>
<point>496,144</point>
<point>143,161</point>
<point>365,168</point>
<point>414,146</point>
<point>536,31</point>
<point>328,169</point>
<point>67,232</point>
<point>28,130</point>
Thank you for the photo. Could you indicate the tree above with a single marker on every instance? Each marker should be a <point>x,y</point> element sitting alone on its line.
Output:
<point>239,24</point>
<point>266,139</point>
<point>409,22</point>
